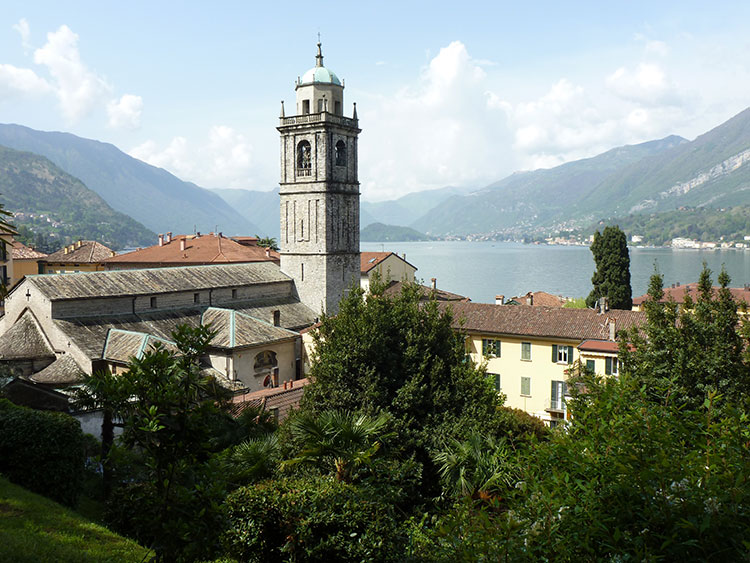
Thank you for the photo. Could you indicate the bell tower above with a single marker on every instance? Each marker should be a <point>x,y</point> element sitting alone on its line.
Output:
<point>319,190</point>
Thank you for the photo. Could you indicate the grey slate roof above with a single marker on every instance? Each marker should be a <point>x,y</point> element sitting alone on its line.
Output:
<point>122,345</point>
<point>24,340</point>
<point>62,372</point>
<point>118,283</point>
<point>234,328</point>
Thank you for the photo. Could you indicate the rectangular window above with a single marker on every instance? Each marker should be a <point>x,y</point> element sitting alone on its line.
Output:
<point>305,106</point>
<point>591,366</point>
<point>496,380</point>
<point>196,297</point>
<point>557,396</point>
<point>526,386</point>
<point>562,354</point>
<point>611,366</point>
<point>526,351</point>
<point>490,348</point>
<point>321,106</point>
<point>234,294</point>
<point>153,302</point>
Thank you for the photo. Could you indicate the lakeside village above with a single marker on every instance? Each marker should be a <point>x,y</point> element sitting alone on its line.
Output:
<point>455,460</point>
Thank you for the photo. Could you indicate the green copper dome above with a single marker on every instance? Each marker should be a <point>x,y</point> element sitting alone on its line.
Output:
<point>319,73</point>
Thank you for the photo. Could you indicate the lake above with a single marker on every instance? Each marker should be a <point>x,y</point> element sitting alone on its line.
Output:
<point>481,270</point>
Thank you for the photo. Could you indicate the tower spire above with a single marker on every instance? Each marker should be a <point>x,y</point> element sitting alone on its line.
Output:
<point>319,56</point>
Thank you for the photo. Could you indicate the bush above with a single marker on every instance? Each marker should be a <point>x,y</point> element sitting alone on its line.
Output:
<point>42,451</point>
<point>312,520</point>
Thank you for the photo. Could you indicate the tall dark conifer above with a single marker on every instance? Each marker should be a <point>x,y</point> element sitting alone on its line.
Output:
<point>612,276</point>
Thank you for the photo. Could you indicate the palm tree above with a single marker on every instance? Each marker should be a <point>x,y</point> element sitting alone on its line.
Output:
<point>475,468</point>
<point>253,460</point>
<point>341,441</point>
<point>267,242</point>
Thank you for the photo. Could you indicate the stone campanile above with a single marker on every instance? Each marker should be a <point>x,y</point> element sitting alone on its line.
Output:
<point>319,189</point>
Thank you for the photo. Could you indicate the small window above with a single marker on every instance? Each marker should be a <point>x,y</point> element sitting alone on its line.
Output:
<point>321,105</point>
<point>490,348</point>
<point>234,294</point>
<point>337,107</point>
<point>304,158</point>
<point>495,380</point>
<point>562,354</point>
<point>153,302</point>
<point>591,366</point>
<point>557,396</point>
<point>305,106</point>
<point>302,272</point>
<point>611,366</point>
<point>196,297</point>
<point>526,351</point>
<point>340,153</point>
<point>526,386</point>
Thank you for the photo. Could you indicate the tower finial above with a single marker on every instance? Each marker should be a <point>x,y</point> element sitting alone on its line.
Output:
<point>319,56</point>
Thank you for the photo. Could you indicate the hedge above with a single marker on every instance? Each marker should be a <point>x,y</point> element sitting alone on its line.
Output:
<point>42,451</point>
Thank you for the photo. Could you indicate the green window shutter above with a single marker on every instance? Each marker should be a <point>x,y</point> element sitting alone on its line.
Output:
<point>525,386</point>
<point>608,366</point>
<point>591,365</point>
<point>570,354</point>
<point>554,353</point>
<point>484,347</point>
<point>497,348</point>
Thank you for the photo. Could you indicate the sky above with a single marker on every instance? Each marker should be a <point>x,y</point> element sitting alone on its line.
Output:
<point>447,93</point>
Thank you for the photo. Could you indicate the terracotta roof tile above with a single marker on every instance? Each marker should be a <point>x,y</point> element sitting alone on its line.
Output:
<point>606,346</point>
<point>202,249</point>
<point>540,299</point>
<point>89,252</point>
<point>273,398</point>
<point>395,287</point>
<point>22,252</point>
<point>678,293</point>
<point>573,324</point>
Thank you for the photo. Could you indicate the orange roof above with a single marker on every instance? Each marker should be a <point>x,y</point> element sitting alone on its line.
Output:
<point>605,346</point>
<point>197,249</point>
<point>677,292</point>
<point>22,252</point>
<point>540,299</point>
<point>83,251</point>
<point>368,260</point>
<point>283,398</point>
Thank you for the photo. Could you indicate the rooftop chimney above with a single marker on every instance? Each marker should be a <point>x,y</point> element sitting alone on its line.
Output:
<point>268,252</point>
<point>169,237</point>
<point>612,329</point>
<point>79,243</point>
<point>65,250</point>
<point>529,298</point>
<point>161,239</point>
<point>499,299</point>
<point>276,318</point>
<point>182,244</point>
<point>434,283</point>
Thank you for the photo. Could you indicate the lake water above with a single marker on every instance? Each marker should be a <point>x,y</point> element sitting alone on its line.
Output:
<point>481,270</point>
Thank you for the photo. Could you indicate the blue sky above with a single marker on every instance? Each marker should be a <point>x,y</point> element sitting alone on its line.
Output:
<point>448,93</point>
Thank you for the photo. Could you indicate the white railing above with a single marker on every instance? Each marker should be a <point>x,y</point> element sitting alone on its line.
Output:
<point>319,118</point>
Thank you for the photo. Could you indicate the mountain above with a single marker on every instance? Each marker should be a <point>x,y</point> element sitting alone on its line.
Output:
<point>31,185</point>
<point>262,208</point>
<point>528,199</point>
<point>153,196</point>
<point>378,232</point>
<point>406,209</point>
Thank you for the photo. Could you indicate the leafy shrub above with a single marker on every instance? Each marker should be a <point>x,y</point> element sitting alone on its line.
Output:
<point>311,520</point>
<point>42,451</point>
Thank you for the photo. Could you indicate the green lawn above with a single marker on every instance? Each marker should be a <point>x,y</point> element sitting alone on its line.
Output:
<point>36,529</point>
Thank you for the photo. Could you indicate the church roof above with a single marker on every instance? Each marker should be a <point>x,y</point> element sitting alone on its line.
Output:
<point>119,283</point>
<point>24,340</point>
<point>62,372</point>
<point>234,329</point>
<point>123,345</point>
<point>320,74</point>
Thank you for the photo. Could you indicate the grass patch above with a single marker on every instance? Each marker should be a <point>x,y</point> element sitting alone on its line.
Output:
<point>36,529</point>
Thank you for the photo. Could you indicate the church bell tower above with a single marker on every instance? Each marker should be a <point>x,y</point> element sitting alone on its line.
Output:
<point>319,191</point>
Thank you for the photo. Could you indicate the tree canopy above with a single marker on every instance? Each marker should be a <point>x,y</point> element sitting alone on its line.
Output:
<point>612,276</point>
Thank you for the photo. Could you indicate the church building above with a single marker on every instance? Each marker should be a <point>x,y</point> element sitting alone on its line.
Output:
<point>57,326</point>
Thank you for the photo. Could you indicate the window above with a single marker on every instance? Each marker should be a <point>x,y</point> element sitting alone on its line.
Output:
<point>321,105</point>
<point>304,158</point>
<point>611,366</point>
<point>526,351</point>
<point>526,386</point>
<point>337,107</point>
<point>153,302</point>
<point>591,366</point>
<point>196,297</point>
<point>557,395</point>
<point>490,348</point>
<point>340,153</point>
<point>495,377</point>
<point>305,106</point>
<point>562,354</point>
<point>234,294</point>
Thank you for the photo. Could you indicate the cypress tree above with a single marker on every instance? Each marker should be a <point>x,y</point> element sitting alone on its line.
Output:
<point>612,276</point>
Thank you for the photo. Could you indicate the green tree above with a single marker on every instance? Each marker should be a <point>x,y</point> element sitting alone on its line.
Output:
<point>612,276</point>
<point>400,355</point>
<point>268,242</point>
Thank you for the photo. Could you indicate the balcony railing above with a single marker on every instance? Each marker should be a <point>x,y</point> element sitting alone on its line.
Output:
<point>556,405</point>
<point>321,117</point>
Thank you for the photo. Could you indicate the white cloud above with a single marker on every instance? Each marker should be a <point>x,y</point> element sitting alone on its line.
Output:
<point>77,88</point>
<point>647,83</point>
<point>125,112</point>
<point>22,27</point>
<point>223,160</point>
<point>446,129</point>
<point>21,80</point>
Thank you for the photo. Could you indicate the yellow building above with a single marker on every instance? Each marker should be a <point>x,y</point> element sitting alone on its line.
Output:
<point>528,350</point>
<point>6,258</point>
<point>26,262</point>
<point>81,256</point>
<point>389,266</point>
